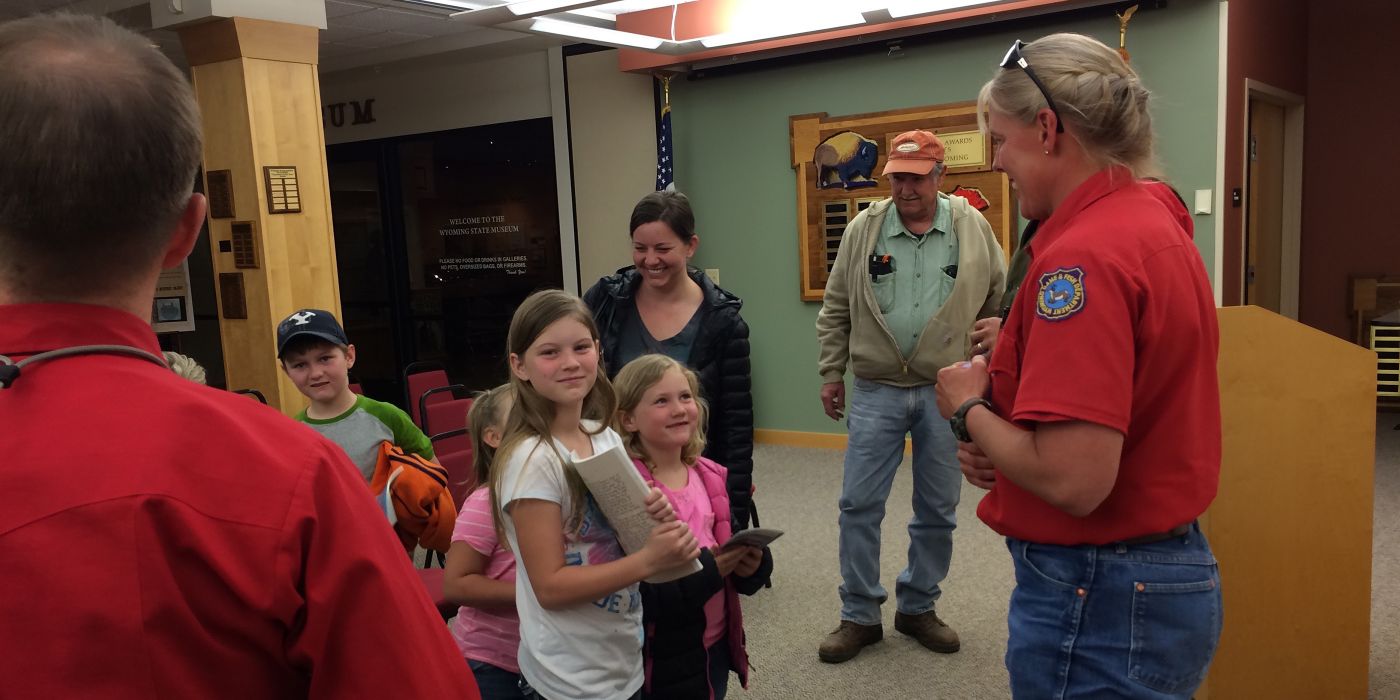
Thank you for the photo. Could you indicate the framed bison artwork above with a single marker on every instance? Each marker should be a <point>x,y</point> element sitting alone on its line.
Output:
<point>838,161</point>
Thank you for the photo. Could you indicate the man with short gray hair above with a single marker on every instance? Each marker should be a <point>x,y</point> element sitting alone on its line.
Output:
<point>912,275</point>
<point>161,538</point>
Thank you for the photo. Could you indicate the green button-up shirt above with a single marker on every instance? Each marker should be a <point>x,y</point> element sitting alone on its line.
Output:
<point>921,281</point>
<point>1016,270</point>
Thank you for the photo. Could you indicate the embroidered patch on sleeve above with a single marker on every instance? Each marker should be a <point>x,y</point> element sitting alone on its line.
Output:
<point>1061,294</point>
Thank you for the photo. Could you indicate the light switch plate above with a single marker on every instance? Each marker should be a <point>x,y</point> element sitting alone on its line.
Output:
<point>1204,200</point>
<point>713,274</point>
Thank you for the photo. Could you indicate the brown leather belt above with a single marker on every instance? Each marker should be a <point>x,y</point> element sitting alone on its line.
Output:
<point>1173,533</point>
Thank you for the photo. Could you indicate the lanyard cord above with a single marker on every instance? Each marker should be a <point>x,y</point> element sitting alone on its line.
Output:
<point>10,371</point>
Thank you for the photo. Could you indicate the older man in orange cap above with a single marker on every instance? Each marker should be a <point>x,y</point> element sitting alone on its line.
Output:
<point>913,273</point>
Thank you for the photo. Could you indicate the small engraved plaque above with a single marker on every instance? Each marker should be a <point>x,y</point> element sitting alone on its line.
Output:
<point>245,249</point>
<point>231,295</point>
<point>283,195</point>
<point>220,194</point>
<point>964,151</point>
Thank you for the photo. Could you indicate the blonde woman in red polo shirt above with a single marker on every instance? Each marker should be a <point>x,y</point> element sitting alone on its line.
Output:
<point>1095,424</point>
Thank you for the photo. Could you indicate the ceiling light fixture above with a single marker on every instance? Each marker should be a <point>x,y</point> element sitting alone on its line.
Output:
<point>521,9</point>
<point>756,21</point>
<point>610,11</point>
<point>597,35</point>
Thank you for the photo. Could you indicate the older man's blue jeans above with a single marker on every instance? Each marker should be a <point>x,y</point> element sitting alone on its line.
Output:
<point>879,416</point>
<point>1118,621</point>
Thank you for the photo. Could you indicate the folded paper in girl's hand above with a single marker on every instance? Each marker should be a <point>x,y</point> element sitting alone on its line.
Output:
<point>758,537</point>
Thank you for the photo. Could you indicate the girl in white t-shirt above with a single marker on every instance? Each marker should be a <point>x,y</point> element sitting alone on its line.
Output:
<point>694,628</point>
<point>480,572</point>
<point>576,592</point>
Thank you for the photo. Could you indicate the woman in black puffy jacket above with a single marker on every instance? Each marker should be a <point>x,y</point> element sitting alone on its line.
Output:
<point>662,304</point>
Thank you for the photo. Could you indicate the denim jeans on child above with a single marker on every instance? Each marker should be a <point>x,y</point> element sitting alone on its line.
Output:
<point>880,416</point>
<point>1120,621</point>
<point>494,682</point>
<point>529,693</point>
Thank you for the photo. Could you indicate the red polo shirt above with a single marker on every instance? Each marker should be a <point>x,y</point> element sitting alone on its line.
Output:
<point>1116,327</point>
<point>162,539</point>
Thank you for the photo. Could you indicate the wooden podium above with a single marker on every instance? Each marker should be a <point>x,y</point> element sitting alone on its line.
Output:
<point>1291,525</point>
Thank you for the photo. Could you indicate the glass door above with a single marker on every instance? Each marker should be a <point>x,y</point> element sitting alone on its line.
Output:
<point>367,253</point>
<point>439,237</point>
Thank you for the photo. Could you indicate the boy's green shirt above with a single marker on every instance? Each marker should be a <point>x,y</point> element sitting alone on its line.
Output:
<point>360,429</point>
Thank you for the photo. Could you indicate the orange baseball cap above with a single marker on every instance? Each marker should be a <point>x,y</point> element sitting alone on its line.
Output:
<point>914,152</point>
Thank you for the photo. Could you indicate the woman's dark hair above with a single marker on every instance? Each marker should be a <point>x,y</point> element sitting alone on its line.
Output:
<point>670,208</point>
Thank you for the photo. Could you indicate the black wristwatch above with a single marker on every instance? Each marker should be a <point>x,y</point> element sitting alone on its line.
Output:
<point>959,420</point>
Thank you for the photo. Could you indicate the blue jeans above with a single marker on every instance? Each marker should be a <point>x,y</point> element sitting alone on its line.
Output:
<point>530,693</point>
<point>879,417</point>
<point>495,682</point>
<point>1122,621</point>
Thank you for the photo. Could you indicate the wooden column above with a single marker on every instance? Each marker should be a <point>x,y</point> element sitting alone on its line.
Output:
<point>260,96</point>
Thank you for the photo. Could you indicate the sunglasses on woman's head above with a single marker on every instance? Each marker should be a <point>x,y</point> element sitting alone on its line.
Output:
<point>1014,59</point>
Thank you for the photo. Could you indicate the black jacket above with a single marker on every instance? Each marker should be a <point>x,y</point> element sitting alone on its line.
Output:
<point>673,615</point>
<point>720,357</point>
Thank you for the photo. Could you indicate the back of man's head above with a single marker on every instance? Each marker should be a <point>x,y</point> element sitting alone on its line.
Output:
<point>99,142</point>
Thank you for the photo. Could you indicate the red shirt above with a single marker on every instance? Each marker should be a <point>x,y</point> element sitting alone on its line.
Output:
<point>1116,327</point>
<point>164,539</point>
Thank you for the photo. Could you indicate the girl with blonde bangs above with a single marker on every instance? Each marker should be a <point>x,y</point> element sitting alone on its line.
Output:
<point>643,373</point>
<point>575,590</point>
<point>694,626</point>
<point>479,574</point>
<point>531,414</point>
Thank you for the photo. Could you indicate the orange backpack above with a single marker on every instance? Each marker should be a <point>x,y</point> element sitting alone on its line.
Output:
<point>413,492</point>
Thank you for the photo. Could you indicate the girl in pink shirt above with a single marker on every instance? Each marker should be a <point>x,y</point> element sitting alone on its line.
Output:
<point>480,573</point>
<point>694,629</point>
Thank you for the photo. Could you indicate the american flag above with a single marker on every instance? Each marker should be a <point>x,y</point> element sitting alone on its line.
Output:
<point>665,154</point>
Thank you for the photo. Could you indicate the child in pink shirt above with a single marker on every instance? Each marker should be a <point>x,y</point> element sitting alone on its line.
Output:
<point>661,417</point>
<point>480,573</point>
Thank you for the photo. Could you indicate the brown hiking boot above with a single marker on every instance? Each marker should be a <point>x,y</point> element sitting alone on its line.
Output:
<point>846,641</point>
<point>931,632</point>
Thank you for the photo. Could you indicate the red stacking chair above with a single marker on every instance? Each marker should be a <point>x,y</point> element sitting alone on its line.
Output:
<point>432,583</point>
<point>446,422</point>
<point>461,478</point>
<point>418,379</point>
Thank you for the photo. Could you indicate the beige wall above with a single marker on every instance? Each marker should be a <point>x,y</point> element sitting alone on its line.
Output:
<point>439,93</point>
<point>612,119</point>
<point>454,91</point>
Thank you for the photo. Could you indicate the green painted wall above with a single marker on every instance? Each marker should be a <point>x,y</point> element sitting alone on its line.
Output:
<point>731,139</point>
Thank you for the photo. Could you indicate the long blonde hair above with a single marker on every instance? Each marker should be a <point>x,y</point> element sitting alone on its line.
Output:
<point>633,381</point>
<point>532,414</point>
<point>1100,99</point>
<point>486,413</point>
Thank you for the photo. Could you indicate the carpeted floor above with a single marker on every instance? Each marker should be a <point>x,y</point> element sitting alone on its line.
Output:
<point>798,489</point>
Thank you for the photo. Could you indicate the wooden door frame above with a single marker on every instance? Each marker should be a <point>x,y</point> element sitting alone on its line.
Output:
<point>1291,233</point>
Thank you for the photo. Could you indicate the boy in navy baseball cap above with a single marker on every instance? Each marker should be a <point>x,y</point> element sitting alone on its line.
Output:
<point>317,357</point>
